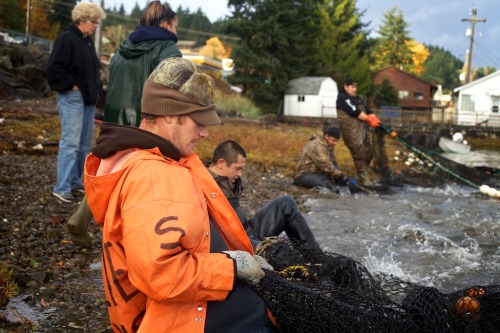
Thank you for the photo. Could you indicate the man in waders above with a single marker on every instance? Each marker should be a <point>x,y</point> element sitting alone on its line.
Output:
<point>352,114</point>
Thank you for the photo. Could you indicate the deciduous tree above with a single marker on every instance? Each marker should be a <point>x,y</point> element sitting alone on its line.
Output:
<point>214,49</point>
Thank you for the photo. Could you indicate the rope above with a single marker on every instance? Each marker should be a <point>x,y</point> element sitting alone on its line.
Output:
<point>427,157</point>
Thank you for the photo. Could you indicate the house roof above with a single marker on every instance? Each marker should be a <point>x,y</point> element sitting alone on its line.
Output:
<point>478,81</point>
<point>307,85</point>
<point>405,73</point>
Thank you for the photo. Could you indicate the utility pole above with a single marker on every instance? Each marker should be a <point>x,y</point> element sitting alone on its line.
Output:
<point>98,33</point>
<point>28,22</point>
<point>473,21</point>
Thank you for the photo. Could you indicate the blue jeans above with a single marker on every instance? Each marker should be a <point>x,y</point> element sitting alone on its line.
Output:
<point>77,137</point>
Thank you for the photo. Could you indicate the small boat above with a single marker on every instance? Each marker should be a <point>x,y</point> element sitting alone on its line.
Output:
<point>450,146</point>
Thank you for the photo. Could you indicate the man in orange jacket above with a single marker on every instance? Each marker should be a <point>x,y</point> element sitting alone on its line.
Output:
<point>175,256</point>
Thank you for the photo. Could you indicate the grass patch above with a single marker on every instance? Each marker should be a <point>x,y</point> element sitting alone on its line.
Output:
<point>485,143</point>
<point>235,105</point>
<point>277,146</point>
<point>28,126</point>
<point>8,287</point>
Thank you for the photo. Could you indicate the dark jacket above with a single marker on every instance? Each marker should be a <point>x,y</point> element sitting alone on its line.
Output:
<point>137,57</point>
<point>352,105</point>
<point>74,61</point>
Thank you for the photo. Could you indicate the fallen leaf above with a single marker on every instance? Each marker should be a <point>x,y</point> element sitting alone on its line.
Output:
<point>44,303</point>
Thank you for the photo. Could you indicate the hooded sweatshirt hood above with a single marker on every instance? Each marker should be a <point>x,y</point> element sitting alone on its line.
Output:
<point>114,138</point>
<point>144,38</point>
<point>117,147</point>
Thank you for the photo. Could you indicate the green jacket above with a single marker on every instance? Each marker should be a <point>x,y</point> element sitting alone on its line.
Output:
<point>129,70</point>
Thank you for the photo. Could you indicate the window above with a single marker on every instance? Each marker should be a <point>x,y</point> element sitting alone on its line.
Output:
<point>495,101</point>
<point>403,94</point>
<point>301,98</point>
<point>418,95</point>
<point>468,102</point>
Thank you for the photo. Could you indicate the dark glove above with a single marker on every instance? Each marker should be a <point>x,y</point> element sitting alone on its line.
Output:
<point>342,179</point>
<point>372,120</point>
<point>248,268</point>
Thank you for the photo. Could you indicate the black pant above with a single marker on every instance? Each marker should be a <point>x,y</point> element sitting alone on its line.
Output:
<point>278,215</point>
<point>313,180</point>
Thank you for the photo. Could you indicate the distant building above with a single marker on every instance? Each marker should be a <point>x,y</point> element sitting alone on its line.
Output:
<point>311,97</point>
<point>414,93</point>
<point>478,101</point>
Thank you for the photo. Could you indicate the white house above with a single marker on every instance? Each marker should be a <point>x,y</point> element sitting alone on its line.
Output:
<point>311,97</point>
<point>478,101</point>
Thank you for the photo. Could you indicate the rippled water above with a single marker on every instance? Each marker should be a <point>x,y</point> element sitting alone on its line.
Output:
<point>448,238</point>
<point>476,158</point>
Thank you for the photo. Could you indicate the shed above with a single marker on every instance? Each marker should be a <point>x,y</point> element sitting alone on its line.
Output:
<point>479,101</point>
<point>311,97</point>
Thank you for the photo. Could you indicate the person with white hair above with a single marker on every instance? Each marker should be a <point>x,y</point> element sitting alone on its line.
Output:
<point>73,72</point>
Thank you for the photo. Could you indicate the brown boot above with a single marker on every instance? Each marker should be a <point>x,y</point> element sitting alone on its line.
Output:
<point>78,224</point>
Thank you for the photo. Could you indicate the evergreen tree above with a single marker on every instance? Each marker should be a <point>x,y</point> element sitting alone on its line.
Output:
<point>442,68</point>
<point>385,94</point>
<point>392,48</point>
<point>61,12</point>
<point>136,13</point>
<point>484,71</point>
<point>193,26</point>
<point>277,44</point>
<point>121,11</point>
<point>340,43</point>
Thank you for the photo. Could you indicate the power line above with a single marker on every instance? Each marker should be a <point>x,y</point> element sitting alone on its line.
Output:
<point>492,58</point>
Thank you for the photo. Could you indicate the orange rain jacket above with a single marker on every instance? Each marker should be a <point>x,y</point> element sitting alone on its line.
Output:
<point>157,267</point>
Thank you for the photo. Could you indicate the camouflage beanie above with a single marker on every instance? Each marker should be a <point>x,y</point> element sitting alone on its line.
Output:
<point>178,87</point>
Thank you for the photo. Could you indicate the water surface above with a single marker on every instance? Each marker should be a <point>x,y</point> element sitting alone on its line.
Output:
<point>447,237</point>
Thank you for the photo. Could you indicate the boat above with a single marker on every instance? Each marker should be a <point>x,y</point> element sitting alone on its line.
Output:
<point>450,146</point>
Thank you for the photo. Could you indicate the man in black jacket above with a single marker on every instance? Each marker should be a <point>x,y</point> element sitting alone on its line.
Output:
<point>352,113</point>
<point>278,215</point>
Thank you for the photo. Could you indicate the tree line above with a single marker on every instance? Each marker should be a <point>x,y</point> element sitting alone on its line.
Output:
<point>274,41</point>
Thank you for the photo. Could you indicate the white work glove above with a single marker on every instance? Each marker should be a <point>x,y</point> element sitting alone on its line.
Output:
<point>263,263</point>
<point>247,268</point>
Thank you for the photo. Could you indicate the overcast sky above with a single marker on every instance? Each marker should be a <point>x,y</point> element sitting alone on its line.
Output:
<point>430,21</point>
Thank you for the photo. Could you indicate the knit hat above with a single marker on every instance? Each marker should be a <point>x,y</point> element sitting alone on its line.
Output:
<point>332,131</point>
<point>350,81</point>
<point>178,87</point>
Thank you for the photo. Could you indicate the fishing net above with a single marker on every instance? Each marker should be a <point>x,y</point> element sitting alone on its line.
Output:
<point>316,291</point>
<point>424,146</point>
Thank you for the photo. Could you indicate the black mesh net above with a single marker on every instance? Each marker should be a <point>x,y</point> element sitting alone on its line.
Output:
<point>315,291</point>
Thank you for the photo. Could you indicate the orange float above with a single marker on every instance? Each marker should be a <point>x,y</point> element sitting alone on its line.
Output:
<point>394,134</point>
<point>468,306</point>
<point>476,292</point>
